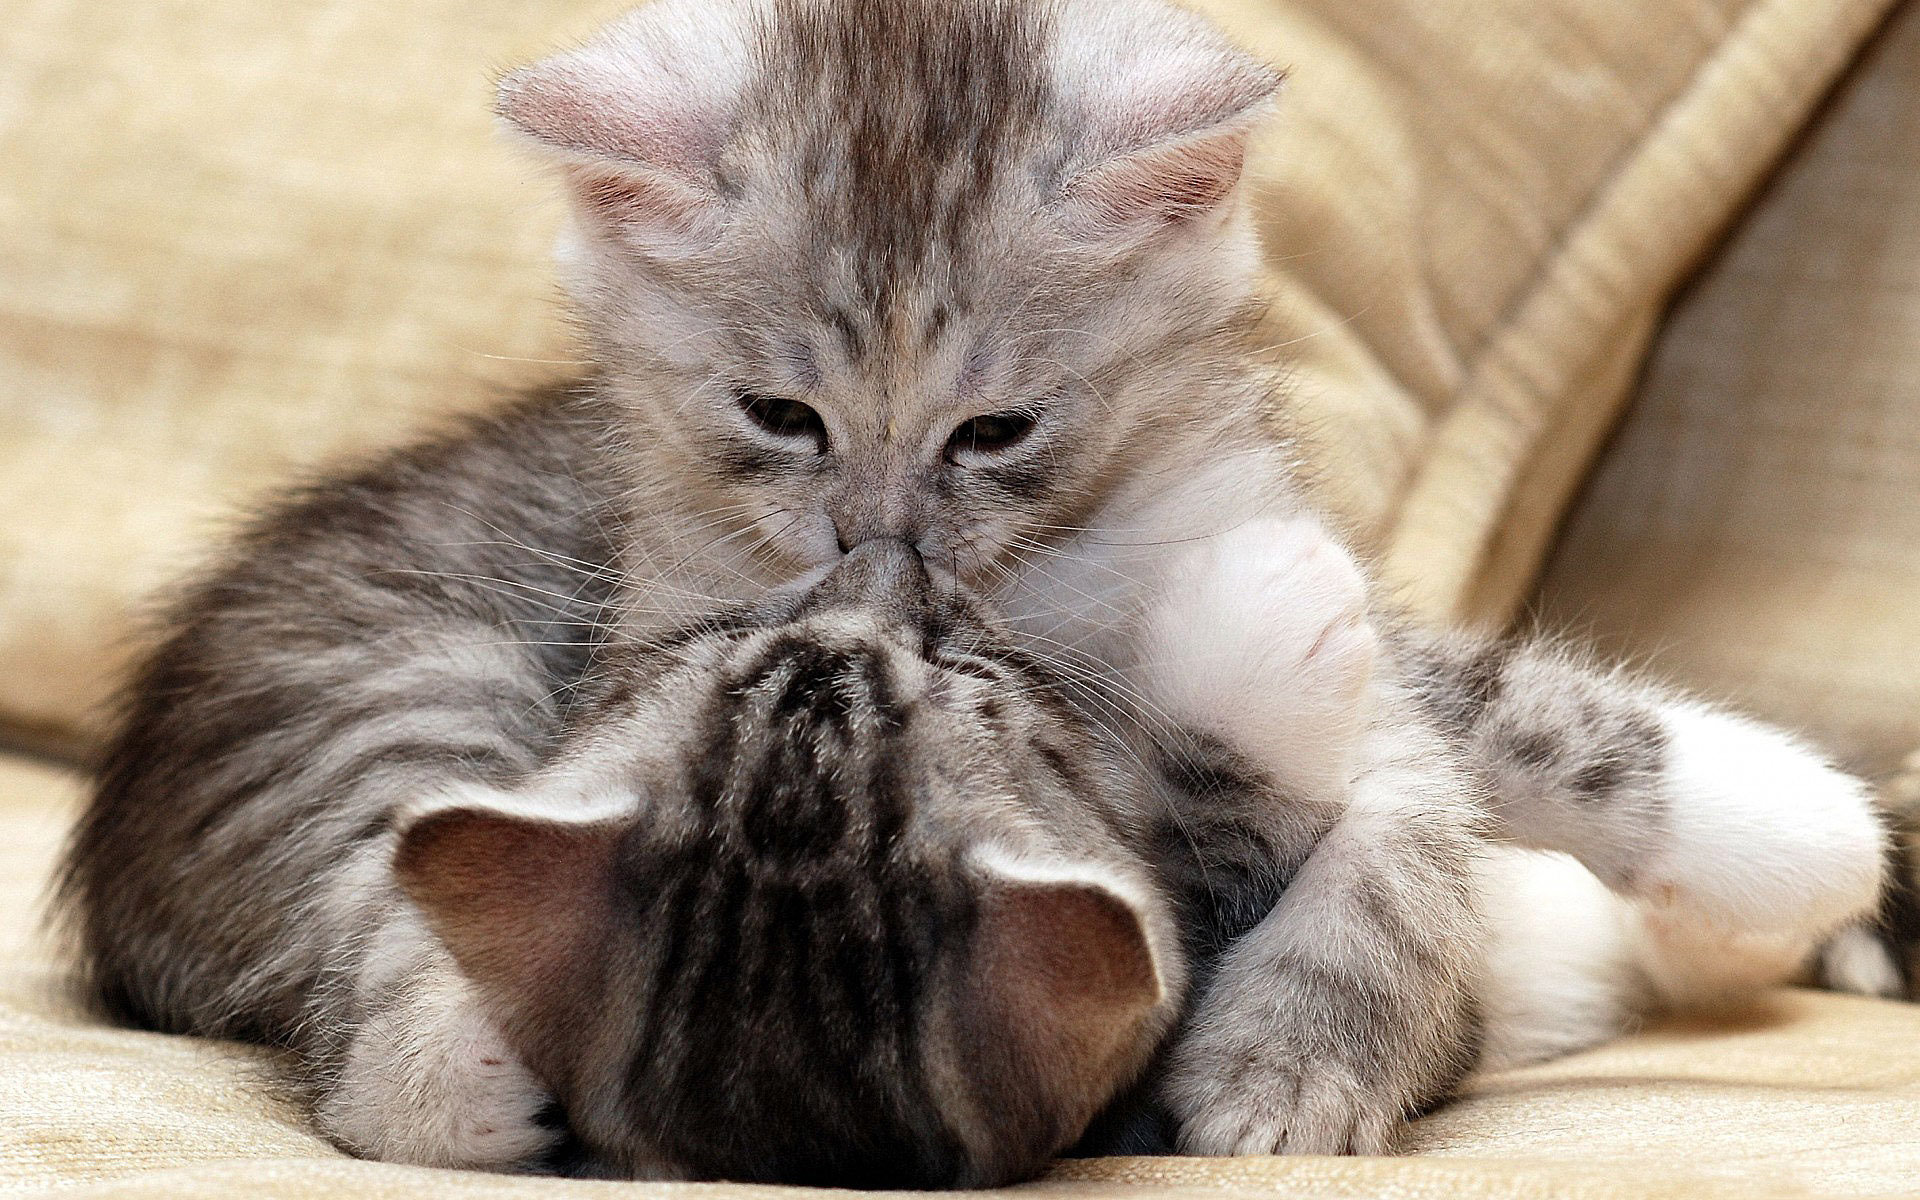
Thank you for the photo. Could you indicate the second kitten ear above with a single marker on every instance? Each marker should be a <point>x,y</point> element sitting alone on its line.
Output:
<point>1171,105</point>
<point>518,900</point>
<point>1065,970</point>
<point>636,117</point>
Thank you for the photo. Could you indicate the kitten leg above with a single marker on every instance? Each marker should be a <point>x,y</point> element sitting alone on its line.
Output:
<point>1731,849</point>
<point>1571,963</point>
<point>1703,815</point>
<point>1350,1005</point>
<point>424,1076</point>
<point>1347,1006</point>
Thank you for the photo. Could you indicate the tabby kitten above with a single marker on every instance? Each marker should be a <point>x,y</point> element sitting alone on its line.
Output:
<point>972,275</point>
<point>839,841</point>
<point>853,845</point>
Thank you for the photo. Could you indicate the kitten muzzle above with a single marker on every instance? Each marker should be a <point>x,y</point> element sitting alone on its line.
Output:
<point>885,574</point>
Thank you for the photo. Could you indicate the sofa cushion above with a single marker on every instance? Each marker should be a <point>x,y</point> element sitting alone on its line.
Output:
<point>245,238</point>
<point>1755,529</point>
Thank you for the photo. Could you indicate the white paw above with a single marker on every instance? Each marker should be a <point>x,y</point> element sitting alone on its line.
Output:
<point>1262,637</point>
<point>1690,961</point>
<point>1763,836</point>
<point>1276,1104</point>
<point>431,1082</point>
<point>1856,960</point>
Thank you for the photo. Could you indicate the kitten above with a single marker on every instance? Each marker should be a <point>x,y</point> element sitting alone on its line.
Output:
<point>420,656</point>
<point>972,275</point>
<point>839,892</point>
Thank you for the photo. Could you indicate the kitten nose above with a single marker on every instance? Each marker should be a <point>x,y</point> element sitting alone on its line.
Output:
<point>870,517</point>
<point>884,571</point>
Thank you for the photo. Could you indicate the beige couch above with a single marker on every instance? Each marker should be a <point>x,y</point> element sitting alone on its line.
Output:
<point>237,238</point>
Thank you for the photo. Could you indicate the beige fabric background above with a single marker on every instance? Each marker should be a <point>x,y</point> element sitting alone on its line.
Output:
<point>1755,529</point>
<point>241,238</point>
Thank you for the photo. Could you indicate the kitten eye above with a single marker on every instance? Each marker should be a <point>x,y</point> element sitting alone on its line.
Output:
<point>785,418</point>
<point>990,434</point>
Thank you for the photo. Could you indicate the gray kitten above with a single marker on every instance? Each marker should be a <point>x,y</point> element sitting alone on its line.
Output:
<point>841,891</point>
<point>846,885</point>
<point>974,277</point>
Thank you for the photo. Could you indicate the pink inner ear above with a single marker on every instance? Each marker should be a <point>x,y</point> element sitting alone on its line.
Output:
<point>1163,185</point>
<point>625,120</point>
<point>517,900</point>
<point>1071,959</point>
<point>642,203</point>
<point>1072,947</point>
<point>1061,988</point>
<point>637,125</point>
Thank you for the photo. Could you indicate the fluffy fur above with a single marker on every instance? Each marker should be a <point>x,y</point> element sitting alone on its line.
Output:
<point>969,276</point>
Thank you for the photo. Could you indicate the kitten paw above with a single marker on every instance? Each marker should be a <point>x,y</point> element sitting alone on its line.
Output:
<point>1283,592</point>
<point>1275,1106</point>
<point>1762,835</point>
<point>1263,636</point>
<point>1857,960</point>
<point>433,1083</point>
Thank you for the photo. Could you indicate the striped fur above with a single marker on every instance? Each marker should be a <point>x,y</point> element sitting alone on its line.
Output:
<point>1661,797</point>
<point>819,247</point>
<point>379,638</point>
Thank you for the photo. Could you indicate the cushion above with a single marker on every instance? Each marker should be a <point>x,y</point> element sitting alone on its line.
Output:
<point>243,238</point>
<point>1798,1096</point>
<point>1754,528</point>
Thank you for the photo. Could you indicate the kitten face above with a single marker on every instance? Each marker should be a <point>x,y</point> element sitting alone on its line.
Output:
<point>925,270</point>
<point>859,911</point>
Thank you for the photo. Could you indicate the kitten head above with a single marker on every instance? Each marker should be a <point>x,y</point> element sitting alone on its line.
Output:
<point>933,270</point>
<point>856,910</point>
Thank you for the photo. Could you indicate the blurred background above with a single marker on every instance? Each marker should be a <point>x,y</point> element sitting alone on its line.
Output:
<point>239,239</point>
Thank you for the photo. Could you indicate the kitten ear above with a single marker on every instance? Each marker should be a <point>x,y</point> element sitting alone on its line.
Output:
<point>518,900</point>
<point>637,116</point>
<point>1172,106</point>
<point>1067,964</point>
<point>1162,185</point>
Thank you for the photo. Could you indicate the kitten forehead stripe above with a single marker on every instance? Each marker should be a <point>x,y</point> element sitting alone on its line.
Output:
<point>912,111</point>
